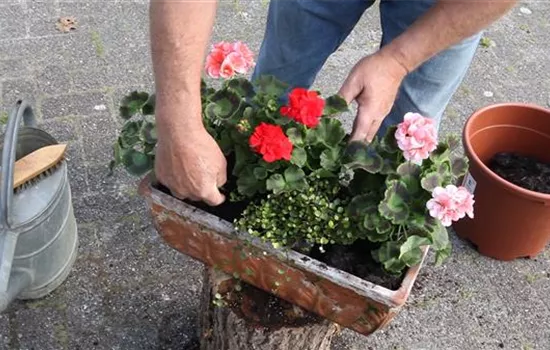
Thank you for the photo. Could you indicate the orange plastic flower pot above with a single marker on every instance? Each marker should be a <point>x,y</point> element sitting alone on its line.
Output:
<point>509,221</point>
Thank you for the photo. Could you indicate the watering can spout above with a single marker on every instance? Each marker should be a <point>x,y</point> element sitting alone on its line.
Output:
<point>20,279</point>
<point>11,282</point>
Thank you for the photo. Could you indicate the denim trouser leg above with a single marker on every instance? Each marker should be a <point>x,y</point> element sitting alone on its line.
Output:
<point>428,89</point>
<point>301,34</point>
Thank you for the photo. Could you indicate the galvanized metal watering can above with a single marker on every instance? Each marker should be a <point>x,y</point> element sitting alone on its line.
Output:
<point>38,231</point>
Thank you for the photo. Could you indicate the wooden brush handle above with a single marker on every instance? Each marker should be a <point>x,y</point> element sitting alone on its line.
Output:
<point>37,162</point>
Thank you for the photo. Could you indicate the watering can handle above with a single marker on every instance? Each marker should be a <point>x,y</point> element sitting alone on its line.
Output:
<point>21,109</point>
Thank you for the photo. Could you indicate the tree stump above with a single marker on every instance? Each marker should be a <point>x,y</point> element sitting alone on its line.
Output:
<point>238,316</point>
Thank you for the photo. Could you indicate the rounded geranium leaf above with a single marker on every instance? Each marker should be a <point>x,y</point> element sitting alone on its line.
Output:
<point>299,157</point>
<point>137,163</point>
<point>335,104</point>
<point>410,252</point>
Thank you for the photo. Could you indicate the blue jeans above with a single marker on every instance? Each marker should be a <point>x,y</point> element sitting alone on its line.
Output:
<point>301,34</point>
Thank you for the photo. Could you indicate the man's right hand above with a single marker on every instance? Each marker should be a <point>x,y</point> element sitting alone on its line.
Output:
<point>191,164</point>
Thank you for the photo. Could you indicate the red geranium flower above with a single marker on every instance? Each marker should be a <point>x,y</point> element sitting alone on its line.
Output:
<point>304,106</point>
<point>271,142</point>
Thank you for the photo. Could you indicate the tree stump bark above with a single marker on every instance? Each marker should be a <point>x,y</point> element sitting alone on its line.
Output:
<point>251,319</point>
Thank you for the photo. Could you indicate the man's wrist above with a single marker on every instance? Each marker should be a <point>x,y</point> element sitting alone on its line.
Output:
<point>399,67</point>
<point>179,113</point>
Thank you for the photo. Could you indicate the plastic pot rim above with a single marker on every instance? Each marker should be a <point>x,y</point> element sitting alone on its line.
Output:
<point>542,198</point>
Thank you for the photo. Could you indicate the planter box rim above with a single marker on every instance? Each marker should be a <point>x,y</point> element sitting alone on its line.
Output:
<point>393,298</point>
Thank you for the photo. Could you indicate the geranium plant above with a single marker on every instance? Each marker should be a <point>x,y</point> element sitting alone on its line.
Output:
<point>304,183</point>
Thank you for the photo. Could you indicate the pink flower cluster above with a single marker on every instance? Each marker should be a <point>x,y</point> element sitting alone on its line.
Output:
<point>227,59</point>
<point>450,204</point>
<point>417,137</point>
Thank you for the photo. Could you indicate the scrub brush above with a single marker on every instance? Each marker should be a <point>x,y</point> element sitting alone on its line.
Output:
<point>36,165</point>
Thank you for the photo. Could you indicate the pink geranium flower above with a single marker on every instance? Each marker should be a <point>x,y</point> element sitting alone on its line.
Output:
<point>450,204</point>
<point>417,137</point>
<point>227,59</point>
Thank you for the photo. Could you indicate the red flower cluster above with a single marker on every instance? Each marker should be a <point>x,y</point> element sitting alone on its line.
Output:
<point>304,106</point>
<point>271,142</point>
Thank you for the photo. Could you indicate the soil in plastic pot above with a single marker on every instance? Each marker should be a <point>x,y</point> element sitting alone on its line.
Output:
<point>525,171</point>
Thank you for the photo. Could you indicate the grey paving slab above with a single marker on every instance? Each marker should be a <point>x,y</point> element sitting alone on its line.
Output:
<point>83,104</point>
<point>96,130</point>
<point>129,290</point>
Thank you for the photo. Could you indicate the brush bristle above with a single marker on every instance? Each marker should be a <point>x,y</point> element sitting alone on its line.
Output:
<point>39,177</point>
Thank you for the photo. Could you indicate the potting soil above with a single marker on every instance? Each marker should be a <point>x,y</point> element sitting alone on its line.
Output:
<point>524,171</point>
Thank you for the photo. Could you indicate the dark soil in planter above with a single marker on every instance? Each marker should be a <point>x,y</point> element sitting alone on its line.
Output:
<point>524,171</point>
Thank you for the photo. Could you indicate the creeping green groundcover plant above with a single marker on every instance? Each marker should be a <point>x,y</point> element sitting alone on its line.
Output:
<point>305,182</point>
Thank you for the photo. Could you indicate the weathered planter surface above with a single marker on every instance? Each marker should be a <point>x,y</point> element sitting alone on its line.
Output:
<point>336,295</point>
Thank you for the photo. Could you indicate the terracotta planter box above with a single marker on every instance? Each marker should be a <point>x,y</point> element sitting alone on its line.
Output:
<point>331,293</point>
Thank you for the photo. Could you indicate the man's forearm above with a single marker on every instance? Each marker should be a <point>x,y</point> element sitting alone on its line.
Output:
<point>447,23</point>
<point>180,31</point>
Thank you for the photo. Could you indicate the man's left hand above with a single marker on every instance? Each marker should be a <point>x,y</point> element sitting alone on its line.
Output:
<point>373,83</point>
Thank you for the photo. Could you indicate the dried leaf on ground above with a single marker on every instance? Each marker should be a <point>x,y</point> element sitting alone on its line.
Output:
<point>66,24</point>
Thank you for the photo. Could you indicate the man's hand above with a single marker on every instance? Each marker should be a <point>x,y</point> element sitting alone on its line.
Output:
<point>191,164</point>
<point>373,83</point>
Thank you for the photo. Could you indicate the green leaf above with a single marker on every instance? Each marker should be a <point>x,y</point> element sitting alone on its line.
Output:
<point>130,133</point>
<point>388,255</point>
<point>241,86</point>
<point>149,107</point>
<point>359,155</point>
<point>132,104</point>
<point>322,173</point>
<point>452,142</point>
<point>276,183</point>
<point>459,166</point>
<point>388,143</point>
<point>388,166</point>
<point>384,227</point>
<point>330,158</point>
<point>260,173</point>
<point>225,141</point>
<point>439,236</point>
<point>270,85</point>
<point>361,205</point>
<point>224,104</point>
<point>329,132</point>
<point>242,157</point>
<point>247,183</point>
<point>442,255</point>
<point>409,168</point>
<point>371,217</point>
<point>364,182</point>
<point>248,113</point>
<point>299,157</point>
<point>117,152</point>
<point>440,154</point>
<point>431,180</point>
<point>376,237</point>
<point>335,104</point>
<point>270,166</point>
<point>149,132</point>
<point>295,136</point>
<point>295,178</point>
<point>410,252</point>
<point>394,205</point>
<point>137,163</point>
<point>409,174</point>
